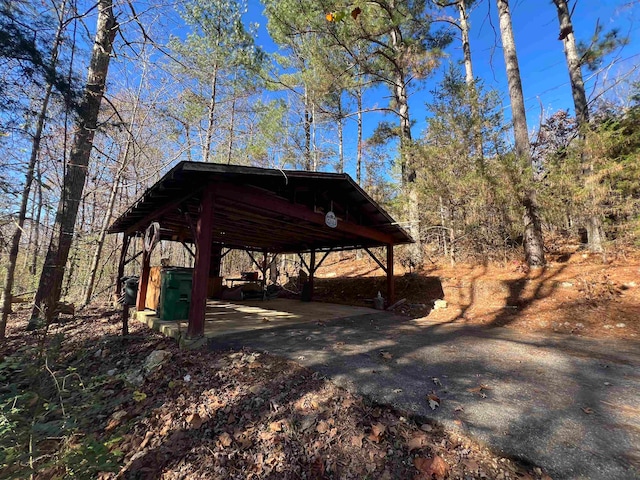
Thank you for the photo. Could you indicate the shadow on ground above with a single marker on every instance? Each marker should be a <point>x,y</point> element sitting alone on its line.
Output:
<point>568,404</point>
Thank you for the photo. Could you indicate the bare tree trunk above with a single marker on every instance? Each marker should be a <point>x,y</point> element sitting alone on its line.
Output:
<point>50,285</point>
<point>407,165</point>
<point>595,234</point>
<point>36,237</point>
<point>359,153</point>
<point>340,145</point>
<point>308,119</point>
<point>340,121</point>
<point>314,145</point>
<point>232,122</point>
<point>533,242</point>
<point>470,80</point>
<point>22,213</point>
<point>212,107</point>
<point>466,46</point>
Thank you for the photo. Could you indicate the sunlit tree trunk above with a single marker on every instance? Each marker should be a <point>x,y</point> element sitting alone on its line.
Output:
<point>594,224</point>
<point>408,170</point>
<point>469,78</point>
<point>359,152</point>
<point>533,242</point>
<point>38,218</point>
<point>50,285</point>
<point>211,115</point>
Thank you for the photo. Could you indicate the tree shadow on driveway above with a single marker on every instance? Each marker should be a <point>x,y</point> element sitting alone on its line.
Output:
<point>565,404</point>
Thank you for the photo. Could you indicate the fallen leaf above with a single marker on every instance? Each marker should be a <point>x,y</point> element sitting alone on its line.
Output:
<point>165,429</point>
<point>431,466</point>
<point>416,442</point>
<point>386,355</point>
<point>471,465</point>
<point>588,410</point>
<point>194,420</point>
<point>139,396</point>
<point>322,427</point>
<point>479,388</point>
<point>275,426</point>
<point>255,389</point>
<point>434,401</point>
<point>146,439</point>
<point>355,12</point>
<point>377,431</point>
<point>225,439</point>
<point>356,440</point>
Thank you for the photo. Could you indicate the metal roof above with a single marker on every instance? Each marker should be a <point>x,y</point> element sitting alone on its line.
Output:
<point>263,209</point>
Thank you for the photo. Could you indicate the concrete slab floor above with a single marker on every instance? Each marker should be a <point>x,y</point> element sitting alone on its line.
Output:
<point>224,318</point>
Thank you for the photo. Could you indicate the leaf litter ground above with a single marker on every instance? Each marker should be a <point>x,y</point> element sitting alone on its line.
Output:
<point>203,414</point>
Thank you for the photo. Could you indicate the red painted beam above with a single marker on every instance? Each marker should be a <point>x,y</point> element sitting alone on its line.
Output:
<point>204,237</point>
<point>259,200</point>
<point>141,300</point>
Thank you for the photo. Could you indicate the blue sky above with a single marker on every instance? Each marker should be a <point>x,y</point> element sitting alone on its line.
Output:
<point>542,63</point>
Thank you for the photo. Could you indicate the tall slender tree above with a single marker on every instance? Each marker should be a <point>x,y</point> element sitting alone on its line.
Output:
<point>50,284</point>
<point>216,60</point>
<point>35,152</point>
<point>533,241</point>
<point>567,35</point>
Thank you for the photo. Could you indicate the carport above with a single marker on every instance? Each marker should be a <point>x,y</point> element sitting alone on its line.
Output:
<point>215,208</point>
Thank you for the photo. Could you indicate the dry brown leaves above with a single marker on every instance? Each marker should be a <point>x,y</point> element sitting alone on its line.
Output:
<point>431,467</point>
<point>249,415</point>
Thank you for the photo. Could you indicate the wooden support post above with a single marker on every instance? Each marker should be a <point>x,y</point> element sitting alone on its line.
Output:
<point>121,264</point>
<point>263,269</point>
<point>391,291</point>
<point>312,272</point>
<point>144,281</point>
<point>204,237</point>
<point>216,260</point>
<point>125,319</point>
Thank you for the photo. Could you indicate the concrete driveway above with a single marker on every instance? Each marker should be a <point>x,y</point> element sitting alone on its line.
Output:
<point>568,404</point>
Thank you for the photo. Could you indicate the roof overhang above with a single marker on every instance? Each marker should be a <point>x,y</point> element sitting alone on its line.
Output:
<point>263,209</point>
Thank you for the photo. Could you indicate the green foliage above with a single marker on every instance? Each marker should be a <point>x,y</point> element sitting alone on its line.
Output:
<point>596,173</point>
<point>26,42</point>
<point>468,180</point>
<point>45,415</point>
<point>600,45</point>
<point>219,66</point>
<point>90,457</point>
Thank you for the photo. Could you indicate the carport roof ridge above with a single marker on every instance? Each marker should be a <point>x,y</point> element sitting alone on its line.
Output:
<point>263,209</point>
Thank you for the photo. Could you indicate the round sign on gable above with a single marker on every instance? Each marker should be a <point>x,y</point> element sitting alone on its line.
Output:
<point>331,220</point>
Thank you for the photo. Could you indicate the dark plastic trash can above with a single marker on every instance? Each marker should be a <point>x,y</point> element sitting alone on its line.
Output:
<point>131,290</point>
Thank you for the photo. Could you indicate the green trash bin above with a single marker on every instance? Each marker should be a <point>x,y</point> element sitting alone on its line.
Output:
<point>175,293</point>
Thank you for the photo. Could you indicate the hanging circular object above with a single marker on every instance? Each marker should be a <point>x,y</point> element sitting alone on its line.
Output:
<point>331,220</point>
<point>151,236</point>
